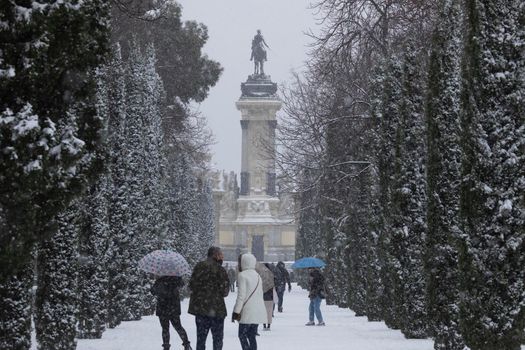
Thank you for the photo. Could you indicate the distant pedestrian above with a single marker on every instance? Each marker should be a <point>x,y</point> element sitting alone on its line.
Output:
<point>209,285</point>
<point>166,289</point>
<point>282,277</point>
<point>232,275</point>
<point>249,307</point>
<point>316,295</point>
<point>268,301</point>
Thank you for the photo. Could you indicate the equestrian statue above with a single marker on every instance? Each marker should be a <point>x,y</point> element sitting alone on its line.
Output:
<point>258,53</point>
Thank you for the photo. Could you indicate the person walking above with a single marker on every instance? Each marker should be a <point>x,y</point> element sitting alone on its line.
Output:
<point>316,295</point>
<point>282,277</point>
<point>209,285</point>
<point>166,290</point>
<point>268,301</point>
<point>249,307</point>
<point>232,275</point>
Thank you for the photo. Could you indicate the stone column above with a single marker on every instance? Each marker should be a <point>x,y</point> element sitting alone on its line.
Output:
<point>245,161</point>
<point>270,171</point>
<point>258,121</point>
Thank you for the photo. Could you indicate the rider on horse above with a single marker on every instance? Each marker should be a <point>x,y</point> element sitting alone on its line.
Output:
<point>258,41</point>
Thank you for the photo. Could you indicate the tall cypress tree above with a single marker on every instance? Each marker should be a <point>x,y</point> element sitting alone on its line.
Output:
<point>94,239</point>
<point>94,246</point>
<point>409,199</point>
<point>47,71</point>
<point>309,242</point>
<point>492,207</point>
<point>443,178</point>
<point>358,216</point>
<point>56,296</point>
<point>205,217</point>
<point>118,189</point>
<point>186,211</point>
<point>375,273</point>
<point>374,284</point>
<point>153,209</point>
<point>15,302</point>
<point>334,209</point>
<point>388,119</point>
<point>135,201</point>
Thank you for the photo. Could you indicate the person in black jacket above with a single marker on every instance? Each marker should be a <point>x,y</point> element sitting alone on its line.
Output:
<point>282,277</point>
<point>316,295</point>
<point>166,289</point>
<point>209,285</point>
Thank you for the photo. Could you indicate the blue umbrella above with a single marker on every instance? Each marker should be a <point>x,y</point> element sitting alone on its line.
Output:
<point>305,263</point>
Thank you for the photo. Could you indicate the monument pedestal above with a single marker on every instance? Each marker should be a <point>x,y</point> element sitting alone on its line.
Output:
<point>262,225</point>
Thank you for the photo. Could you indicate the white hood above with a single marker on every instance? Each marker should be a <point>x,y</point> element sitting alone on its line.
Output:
<point>248,262</point>
<point>250,303</point>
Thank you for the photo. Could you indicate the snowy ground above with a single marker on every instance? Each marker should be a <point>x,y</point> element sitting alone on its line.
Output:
<point>343,331</point>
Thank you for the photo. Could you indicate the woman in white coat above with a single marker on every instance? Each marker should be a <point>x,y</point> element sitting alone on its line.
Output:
<point>249,304</point>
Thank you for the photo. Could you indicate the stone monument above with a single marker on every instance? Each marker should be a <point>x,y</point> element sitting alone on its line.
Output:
<point>256,218</point>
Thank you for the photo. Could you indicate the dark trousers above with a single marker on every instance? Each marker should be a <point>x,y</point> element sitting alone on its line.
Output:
<point>175,321</point>
<point>204,325</point>
<point>247,336</point>
<point>280,295</point>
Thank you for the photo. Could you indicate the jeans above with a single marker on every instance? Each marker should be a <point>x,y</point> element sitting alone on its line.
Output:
<point>315,307</point>
<point>247,334</point>
<point>175,321</point>
<point>204,324</point>
<point>280,295</point>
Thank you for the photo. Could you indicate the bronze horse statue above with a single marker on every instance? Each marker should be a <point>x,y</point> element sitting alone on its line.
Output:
<point>259,56</point>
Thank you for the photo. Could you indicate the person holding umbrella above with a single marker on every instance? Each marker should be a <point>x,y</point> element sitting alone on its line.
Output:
<point>268,293</point>
<point>166,289</point>
<point>316,295</point>
<point>315,286</point>
<point>169,266</point>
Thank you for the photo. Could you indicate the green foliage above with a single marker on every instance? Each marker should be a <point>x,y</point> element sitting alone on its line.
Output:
<point>15,303</point>
<point>46,81</point>
<point>57,277</point>
<point>409,198</point>
<point>94,246</point>
<point>443,178</point>
<point>492,250</point>
<point>186,73</point>
<point>388,118</point>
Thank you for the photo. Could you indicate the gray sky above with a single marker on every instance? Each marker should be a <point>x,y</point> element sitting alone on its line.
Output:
<point>231,27</point>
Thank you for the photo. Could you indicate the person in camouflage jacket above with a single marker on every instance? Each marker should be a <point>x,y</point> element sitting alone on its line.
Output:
<point>209,285</point>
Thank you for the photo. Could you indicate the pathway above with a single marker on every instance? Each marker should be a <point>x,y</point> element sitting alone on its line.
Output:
<point>343,331</point>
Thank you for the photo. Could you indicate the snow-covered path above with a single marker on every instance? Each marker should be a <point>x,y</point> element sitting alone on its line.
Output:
<point>343,331</point>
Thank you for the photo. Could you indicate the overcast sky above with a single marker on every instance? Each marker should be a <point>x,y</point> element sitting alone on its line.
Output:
<point>231,27</point>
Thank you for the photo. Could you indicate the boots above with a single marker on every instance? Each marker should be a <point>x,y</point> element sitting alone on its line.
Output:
<point>187,346</point>
<point>165,346</point>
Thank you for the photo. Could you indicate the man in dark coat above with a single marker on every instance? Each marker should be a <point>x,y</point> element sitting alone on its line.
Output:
<point>282,277</point>
<point>166,289</point>
<point>209,285</point>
